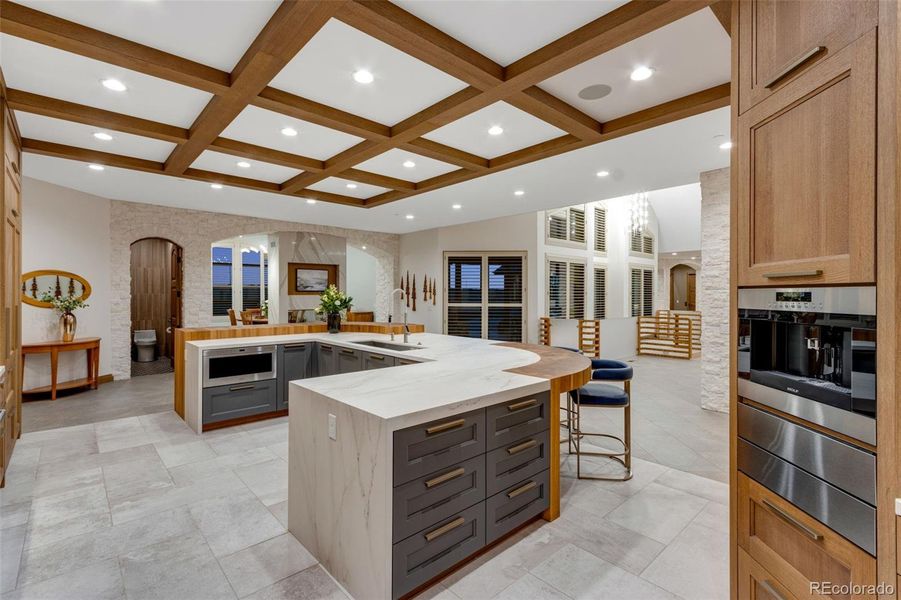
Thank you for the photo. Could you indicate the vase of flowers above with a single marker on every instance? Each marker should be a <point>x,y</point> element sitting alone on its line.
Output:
<point>65,306</point>
<point>264,308</point>
<point>332,303</point>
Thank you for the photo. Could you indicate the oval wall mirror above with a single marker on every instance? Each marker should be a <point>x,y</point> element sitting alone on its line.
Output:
<point>58,283</point>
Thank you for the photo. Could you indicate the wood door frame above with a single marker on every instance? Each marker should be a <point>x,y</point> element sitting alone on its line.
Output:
<point>672,286</point>
<point>181,278</point>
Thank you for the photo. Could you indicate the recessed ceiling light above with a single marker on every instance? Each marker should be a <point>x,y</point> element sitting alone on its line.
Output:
<point>694,258</point>
<point>114,85</point>
<point>457,206</point>
<point>100,135</point>
<point>495,130</point>
<point>409,164</point>
<point>410,217</point>
<point>641,73</point>
<point>216,186</point>
<point>602,173</point>
<point>243,164</point>
<point>675,253</point>
<point>313,238</point>
<point>363,76</point>
<point>311,201</point>
<point>95,167</point>
<point>363,247</point>
<point>289,131</point>
<point>351,186</point>
<point>595,92</point>
<point>518,193</point>
<point>726,146</point>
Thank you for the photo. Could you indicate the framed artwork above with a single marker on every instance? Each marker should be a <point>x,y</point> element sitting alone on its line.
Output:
<point>310,279</point>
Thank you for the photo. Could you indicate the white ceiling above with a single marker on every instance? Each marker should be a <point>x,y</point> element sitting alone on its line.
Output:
<point>336,185</point>
<point>49,129</point>
<point>264,128</point>
<point>666,156</point>
<point>688,55</point>
<point>44,70</point>
<point>323,71</point>
<point>506,30</point>
<point>181,27</point>
<point>391,163</point>
<point>228,164</point>
<point>470,133</point>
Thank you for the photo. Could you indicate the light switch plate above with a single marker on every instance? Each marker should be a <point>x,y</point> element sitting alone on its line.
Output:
<point>332,427</point>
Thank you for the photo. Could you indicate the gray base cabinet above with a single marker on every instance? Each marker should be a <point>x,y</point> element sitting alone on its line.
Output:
<point>371,360</point>
<point>240,400</point>
<point>326,360</point>
<point>466,481</point>
<point>349,360</point>
<point>294,362</point>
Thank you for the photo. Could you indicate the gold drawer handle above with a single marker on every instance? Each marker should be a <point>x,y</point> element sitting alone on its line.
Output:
<point>794,65</point>
<point>814,535</point>
<point>523,404</point>
<point>325,348</point>
<point>521,447</point>
<point>445,426</point>
<point>522,489</point>
<point>811,273</point>
<point>446,477</point>
<point>437,533</point>
<point>347,351</point>
<point>376,357</point>
<point>766,585</point>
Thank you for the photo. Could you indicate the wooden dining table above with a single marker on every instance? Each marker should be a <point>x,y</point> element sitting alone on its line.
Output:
<point>91,346</point>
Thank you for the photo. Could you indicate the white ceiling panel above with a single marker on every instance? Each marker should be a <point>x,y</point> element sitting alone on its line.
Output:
<point>470,133</point>
<point>391,163</point>
<point>228,164</point>
<point>507,30</point>
<point>44,70</point>
<point>402,86</point>
<point>263,127</point>
<point>212,33</point>
<point>336,185</point>
<point>688,55</point>
<point>82,136</point>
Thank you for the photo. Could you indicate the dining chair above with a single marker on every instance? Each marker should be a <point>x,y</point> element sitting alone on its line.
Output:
<point>232,318</point>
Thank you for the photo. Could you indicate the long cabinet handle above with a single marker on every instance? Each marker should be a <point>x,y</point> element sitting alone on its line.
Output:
<point>810,273</point>
<point>522,489</point>
<point>437,533</point>
<point>521,405</point>
<point>235,388</point>
<point>766,585</point>
<point>294,346</point>
<point>376,357</point>
<point>521,447</point>
<point>445,477</point>
<point>348,352</point>
<point>445,426</point>
<point>814,535</point>
<point>793,65</point>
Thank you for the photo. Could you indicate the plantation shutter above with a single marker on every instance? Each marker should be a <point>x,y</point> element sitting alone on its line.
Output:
<point>557,224</point>
<point>576,225</point>
<point>576,291</point>
<point>221,264</point>
<point>485,295</point>
<point>647,244</point>
<point>600,293</point>
<point>556,286</point>
<point>600,229</point>
<point>648,291</point>
<point>635,242</point>
<point>505,298</point>
<point>636,293</point>
<point>464,296</point>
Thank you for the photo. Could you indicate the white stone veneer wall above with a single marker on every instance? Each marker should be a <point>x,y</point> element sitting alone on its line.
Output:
<point>713,295</point>
<point>195,231</point>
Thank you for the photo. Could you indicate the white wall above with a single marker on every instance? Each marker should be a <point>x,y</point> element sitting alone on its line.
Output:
<point>678,211</point>
<point>361,267</point>
<point>67,230</point>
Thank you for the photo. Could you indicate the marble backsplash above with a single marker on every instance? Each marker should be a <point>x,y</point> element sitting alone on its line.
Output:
<point>304,247</point>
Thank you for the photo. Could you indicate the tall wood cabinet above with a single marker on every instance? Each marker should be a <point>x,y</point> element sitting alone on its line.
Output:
<point>10,276</point>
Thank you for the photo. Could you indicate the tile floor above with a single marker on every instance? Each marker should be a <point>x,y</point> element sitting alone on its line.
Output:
<point>140,507</point>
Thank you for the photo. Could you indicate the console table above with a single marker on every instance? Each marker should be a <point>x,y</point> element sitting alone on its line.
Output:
<point>91,346</point>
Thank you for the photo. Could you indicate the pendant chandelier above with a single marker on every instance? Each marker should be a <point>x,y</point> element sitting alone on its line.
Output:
<point>638,213</point>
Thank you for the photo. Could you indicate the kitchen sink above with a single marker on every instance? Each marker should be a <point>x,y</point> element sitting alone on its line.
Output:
<point>387,345</point>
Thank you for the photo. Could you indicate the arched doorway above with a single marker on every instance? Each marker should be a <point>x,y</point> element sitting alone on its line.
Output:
<point>156,304</point>
<point>683,288</point>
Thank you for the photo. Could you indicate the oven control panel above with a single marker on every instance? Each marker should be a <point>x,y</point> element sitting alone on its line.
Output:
<point>860,300</point>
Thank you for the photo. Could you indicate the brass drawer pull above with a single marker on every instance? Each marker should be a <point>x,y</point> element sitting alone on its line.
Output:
<point>766,585</point>
<point>445,477</point>
<point>236,388</point>
<point>437,533</point>
<point>376,357</point>
<point>521,447</point>
<point>345,351</point>
<point>294,346</point>
<point>325,348</point>
<point>814,535</point>
<point>811,273</point>
<point>522,405</point>
<point>445,426</point>
<point>798,62</point>
<point>522,489</point>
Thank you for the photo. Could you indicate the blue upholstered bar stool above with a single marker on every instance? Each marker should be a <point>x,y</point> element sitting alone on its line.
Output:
<point>604,395</point>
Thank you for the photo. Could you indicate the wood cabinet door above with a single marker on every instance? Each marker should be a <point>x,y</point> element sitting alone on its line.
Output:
<point>806,176</point>
<point>756,583</point>
<point>781,39</point>
<point>11,297</point>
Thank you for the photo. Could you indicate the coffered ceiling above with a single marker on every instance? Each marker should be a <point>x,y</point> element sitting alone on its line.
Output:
<point>212,87</point>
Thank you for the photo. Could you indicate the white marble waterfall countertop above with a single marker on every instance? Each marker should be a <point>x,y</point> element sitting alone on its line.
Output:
<point>453,373</point>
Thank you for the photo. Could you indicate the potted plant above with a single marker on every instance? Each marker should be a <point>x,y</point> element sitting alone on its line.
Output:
<point>65,305</point>
<point>331,303</point>
<point>264,308</point>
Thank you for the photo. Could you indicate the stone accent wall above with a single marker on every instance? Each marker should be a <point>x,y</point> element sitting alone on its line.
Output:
<point>195,231</point>
<point>713,293</point>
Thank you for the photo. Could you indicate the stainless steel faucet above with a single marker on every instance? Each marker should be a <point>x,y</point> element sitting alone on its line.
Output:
<point>406,325</point>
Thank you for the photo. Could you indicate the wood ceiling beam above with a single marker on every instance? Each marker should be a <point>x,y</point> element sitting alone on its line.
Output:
<point>264,154</point>
<point>288,30</point>
<point>314,112</point>
<point>431,149</point>
<point>330,197</point>
<point>553,110</point>
<point>392,183</point>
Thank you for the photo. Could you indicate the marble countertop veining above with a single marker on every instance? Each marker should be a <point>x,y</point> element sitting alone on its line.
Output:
<point>453,371</point>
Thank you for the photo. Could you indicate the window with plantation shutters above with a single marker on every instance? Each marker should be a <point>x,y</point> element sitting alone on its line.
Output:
<point>642,243</point>
<point>642,292</point>
<point>222,280</point>
<point>485,295</point>
<point>600,229</point>
<point>566,225</point>
<point>565,289</point>
<point>600,293</point>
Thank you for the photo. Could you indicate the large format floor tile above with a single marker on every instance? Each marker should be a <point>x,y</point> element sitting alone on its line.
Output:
<point>259,566</point>
<point>658,512</point>
<point>235,521</point>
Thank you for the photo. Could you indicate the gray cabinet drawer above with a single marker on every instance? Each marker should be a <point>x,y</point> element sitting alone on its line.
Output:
<point>524,458</point>
<point>294,363</point>
<point>423,502</point>
<point>510,421</point>
<point>430,552</point>
<point>349,360</point>
<point>372,360</point>
<point>239,400</point>
<point>325,360</point>
<point>516,505</point>
<point>430,447</point>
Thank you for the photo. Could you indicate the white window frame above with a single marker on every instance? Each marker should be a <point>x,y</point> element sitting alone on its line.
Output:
<point>594,231</point>
<point>644,235</point>
<point>569,260</point>
<point>567,242</point>
<point>643,268</point>
<point>484,304</point>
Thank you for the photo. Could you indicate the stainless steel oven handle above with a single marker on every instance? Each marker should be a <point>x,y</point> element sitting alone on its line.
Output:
<point>814,535</point>
<point>236,388</point>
